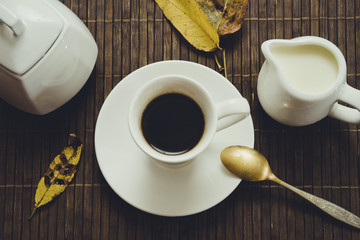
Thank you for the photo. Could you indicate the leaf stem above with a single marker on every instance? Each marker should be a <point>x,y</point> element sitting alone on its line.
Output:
<point>32,213</point>
<point>224,62</point>
<point>217,63</point>
<point>221,68</point>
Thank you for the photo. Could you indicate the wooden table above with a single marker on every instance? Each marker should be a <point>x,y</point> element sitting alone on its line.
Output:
<point>322,158</point>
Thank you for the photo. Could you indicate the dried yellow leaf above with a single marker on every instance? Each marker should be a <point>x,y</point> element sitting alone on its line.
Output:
<point>59,174</point>
<point>203,22</point>
<point>225,15</point>
<point>191,22</point>
<point>233,16</point>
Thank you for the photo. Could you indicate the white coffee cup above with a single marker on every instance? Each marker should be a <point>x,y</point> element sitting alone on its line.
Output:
<point>303,80</point>
<point>234,110</point>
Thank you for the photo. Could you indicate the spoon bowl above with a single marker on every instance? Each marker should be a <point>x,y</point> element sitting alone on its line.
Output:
<point>249,164</point>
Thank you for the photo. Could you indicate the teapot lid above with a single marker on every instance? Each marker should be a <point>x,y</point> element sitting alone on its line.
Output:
<point>27,31</point>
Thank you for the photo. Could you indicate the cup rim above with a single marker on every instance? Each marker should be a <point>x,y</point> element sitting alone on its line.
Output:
<point>135,127</point>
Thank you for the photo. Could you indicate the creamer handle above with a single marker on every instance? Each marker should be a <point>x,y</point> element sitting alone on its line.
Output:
<point>11,20</point>
<point>351,96</point>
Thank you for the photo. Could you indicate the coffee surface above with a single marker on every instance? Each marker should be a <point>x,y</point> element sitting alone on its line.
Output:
<point>173,123</point>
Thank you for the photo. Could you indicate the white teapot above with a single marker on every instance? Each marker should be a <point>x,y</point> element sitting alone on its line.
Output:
<point>46,54</point>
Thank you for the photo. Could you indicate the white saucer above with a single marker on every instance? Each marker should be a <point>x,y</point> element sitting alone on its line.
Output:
<point>144,183</point>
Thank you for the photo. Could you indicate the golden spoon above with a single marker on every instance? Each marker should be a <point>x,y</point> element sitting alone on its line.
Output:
<point>250,165</point>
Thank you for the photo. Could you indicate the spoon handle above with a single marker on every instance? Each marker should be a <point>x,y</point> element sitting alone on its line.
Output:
<point>328,207</point>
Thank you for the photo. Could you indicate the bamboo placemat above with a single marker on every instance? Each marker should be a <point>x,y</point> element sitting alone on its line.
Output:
<point>322,158</point>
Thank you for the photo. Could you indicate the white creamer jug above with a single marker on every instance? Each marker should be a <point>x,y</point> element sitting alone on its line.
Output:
<point>46,54</point>
<point>303,80</point>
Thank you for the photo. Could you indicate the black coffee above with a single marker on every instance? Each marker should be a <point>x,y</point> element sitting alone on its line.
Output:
<point>173,123</point>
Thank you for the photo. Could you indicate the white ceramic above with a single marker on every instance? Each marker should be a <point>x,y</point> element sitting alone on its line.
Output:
<point>150,186</point>
<point>47,54</point>
<point>238,108</point>
<point>303,80</point>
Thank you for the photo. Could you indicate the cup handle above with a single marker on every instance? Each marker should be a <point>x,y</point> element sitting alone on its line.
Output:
<point>11,20</point>
<point>231,111</point>
<point>351,96</point>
